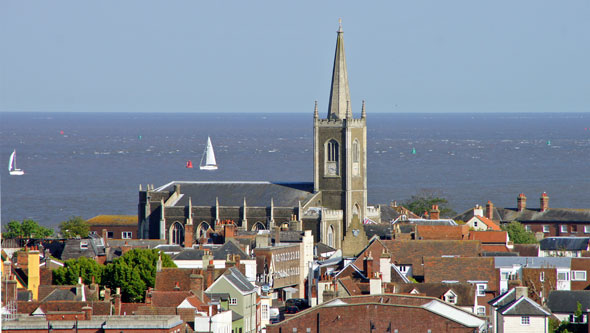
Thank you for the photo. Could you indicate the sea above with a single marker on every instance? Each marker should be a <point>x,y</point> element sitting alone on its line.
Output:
<point>87,164</point>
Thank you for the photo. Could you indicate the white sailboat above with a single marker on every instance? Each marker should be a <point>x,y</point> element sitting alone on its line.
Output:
<point>208,157</point>
<point>14,171</point>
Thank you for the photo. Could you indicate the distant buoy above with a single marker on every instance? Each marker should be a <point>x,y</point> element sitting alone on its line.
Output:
<point>139,137</point>
<point>549,142</point>
<point>61,132</point>
<point>413,151</point>
<point>189,164</point>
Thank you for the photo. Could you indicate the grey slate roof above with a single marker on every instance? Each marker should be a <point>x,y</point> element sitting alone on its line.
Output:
<point>524,306</point>
<point>533,262</point>
<point>321,248</point>
<point>565,243</point>
<point>219,253</point>
<point>239,280</point>
<point>383,231</point>
<point>94,246</point>
<point>258,194</point>
<point>534,215</point>
<point>566,301</point>
<point>235,316</point>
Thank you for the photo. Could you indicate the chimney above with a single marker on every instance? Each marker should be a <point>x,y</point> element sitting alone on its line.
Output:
<point>176,286</point>
<point>107,294</point>
<point>105,236</point>
<point>230,230</point>
<point>117,298</point>
<point>477,211</point>
<point>490,210</point>
<point>125,248</point>
<point>521,202</point>
<point>521,292</point>
<point>196,285</point>
<point>188,235</point>
<point>240,267</point>
<point>375,285</point>
<point>277,233</point>
<point>87,312</point>
<point>229,261</point>
<point>369,266</point>
<point>210,273</point>
<point>33,273</point>
<point>544,202</point>
<point>148,295</point>
<point>434,213</point>
<point>385,267</point>
<point>159,263</point>
<point>7,271</point>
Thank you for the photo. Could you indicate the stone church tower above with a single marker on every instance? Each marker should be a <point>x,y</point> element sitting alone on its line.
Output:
<point>340,148</point>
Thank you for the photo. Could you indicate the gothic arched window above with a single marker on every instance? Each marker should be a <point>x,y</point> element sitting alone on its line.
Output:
<point>202,229</point>
<point>330,237</point>
<point>356,156</point>
<point>176,233</point>
<point>332,167</point>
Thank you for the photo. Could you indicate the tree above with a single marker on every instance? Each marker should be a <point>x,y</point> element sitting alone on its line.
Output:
<point>518,234</point>
<point>425,199</point>
<point>83,267</point>
<point>74,227</point>
<point>26,229</point>
<point>134,272</point>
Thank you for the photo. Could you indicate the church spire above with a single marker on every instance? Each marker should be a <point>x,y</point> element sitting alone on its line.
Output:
<point>339,92</point>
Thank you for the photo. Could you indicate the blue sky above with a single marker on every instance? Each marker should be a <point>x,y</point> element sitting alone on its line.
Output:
<point>276,56</point>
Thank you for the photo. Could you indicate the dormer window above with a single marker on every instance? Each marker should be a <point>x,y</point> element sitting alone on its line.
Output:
<point>414,291</point>
<point>450,297</point>
<point>84,245</point>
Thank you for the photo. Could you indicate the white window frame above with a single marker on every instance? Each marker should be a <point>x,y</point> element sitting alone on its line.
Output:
<point>587,229</point>
<point>264,312</point>
<point>481,310</point>
<point>563,228</point>
<point>475,224</point>
<point>525,320</point>
<point>451,297</point>
<point>565,274</point>
<point>233,301</point>
<point>542,276</point>
<point>481,289</point>
<point>527,228</point>
<point>127,235</point>
<point>546,229</point>
<point>575,275</point>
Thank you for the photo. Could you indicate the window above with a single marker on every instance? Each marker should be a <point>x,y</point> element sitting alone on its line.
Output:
<point>127,234</point>
<point>545,228</point>
<point>332,158</point>
<point>450,297</point>
<point>542,276</point>
<point>84,245</point>
<point>481,310</point>
<point>527,228</point>
<point>331,236</point>
<point>578,275</point>
<point>563,228</point>
<point>481,289</point>
<point>563,276</point>
<point>505,276</point>
<point>355,151</point>
<point>110,234</point>
<point>233,301</point>
<point>475,223</point>
<point>264,312</point>
<point>525,320</point>
<point>587,229</point>
<point>177,233</point>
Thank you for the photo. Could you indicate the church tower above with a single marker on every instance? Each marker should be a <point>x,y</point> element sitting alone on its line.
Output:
<point>340,148</point>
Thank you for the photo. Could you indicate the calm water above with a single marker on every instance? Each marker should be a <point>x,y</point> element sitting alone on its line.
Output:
<point>96,166</point>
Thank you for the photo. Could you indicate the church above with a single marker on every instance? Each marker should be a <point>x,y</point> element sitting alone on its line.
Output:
<point>332,207</point>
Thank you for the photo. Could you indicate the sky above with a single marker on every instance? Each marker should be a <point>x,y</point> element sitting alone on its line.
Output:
<point>276,56</point>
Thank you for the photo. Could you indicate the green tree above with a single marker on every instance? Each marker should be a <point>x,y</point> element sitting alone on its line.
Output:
<point>74,227</point>
<point>26,229</point>
<point>83,267</point>
<point>134,272</point>
<point>425,199</point>
<point>518,234</point>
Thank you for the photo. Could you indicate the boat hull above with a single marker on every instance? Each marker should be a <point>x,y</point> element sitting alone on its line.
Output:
<point>17,172</point>
<point>208,167</point>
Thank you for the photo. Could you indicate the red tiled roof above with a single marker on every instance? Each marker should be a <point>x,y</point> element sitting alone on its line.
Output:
<point>491,224</point>
<point>441,232</point>
<point>352,288</point>
<point>489,236</point>
<point>169,298</point>
<point>494,248</point>
<point>438,269</point>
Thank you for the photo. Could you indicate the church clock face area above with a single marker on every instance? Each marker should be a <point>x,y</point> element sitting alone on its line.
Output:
<point>332,169</point>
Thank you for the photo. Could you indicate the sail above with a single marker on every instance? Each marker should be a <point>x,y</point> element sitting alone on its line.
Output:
<point>11,160</point>
<point>209,157</point>
<point>210,154</point>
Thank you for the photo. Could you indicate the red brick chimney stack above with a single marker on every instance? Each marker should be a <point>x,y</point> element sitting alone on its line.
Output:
<point>434,213</point>
<point>188,235</point>
<point>369,266</point>
<point>87,312</point>
<point>521,202</point>
<point>544,202</point>
<point>230,230</point>
<point>490,210</point>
